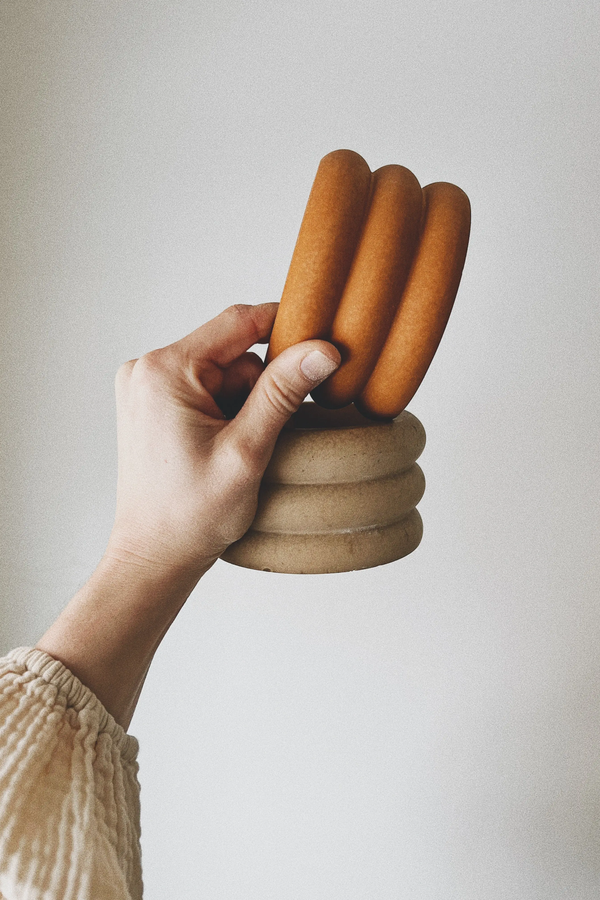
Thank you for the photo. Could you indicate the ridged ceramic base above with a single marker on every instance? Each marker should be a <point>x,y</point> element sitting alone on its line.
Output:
<point>339,494</point>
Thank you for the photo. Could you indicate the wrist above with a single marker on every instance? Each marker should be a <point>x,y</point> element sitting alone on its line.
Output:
<point>108,633</point>
<point>130,559</point>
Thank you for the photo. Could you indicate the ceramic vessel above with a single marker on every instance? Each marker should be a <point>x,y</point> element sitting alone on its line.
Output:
<point>339,494</point>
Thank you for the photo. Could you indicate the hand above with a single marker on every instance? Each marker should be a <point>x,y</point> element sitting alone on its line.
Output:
<point>187,488</point>
<point>188,475</point>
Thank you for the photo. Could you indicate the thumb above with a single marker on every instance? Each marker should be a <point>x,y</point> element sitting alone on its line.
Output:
<point>278,393</point>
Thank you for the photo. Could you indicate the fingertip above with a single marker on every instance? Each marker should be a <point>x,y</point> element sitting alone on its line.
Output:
<point>265,313</point>
<point>317,366</point>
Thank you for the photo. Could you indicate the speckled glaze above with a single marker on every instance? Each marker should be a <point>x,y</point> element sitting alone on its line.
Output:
<point>339,494</point>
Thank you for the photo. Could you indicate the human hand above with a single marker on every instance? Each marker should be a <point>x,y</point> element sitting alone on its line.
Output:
<point>188,476</point>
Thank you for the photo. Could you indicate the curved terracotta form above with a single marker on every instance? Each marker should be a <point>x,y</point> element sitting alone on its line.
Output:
<point>339,494</point>
<point>375,270</point>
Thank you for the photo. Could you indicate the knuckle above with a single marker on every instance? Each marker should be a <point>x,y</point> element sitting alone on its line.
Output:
<point>123,373</point>
<point>244,313</point>
<point>240,309</point>
<point>149,368</point>
<point>282,396</point>
<point>241,465</point>
<point>144,377</point>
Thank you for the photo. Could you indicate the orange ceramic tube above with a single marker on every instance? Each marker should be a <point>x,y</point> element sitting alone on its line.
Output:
<point>324,251</point>
<point>375,283</point>
<point>426,303</point>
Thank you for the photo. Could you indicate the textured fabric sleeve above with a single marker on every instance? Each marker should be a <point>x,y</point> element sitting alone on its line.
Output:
<point>69,793</point>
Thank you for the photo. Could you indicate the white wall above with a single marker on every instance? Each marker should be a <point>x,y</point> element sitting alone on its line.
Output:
<point>428,730</point>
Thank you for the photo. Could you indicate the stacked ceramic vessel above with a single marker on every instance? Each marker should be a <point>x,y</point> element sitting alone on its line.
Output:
<point>340,493</point>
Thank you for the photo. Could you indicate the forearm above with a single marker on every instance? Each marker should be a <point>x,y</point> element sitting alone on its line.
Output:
<point>108,633</point>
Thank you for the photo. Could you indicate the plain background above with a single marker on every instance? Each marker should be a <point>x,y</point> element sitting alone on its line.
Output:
<point>427,730</point>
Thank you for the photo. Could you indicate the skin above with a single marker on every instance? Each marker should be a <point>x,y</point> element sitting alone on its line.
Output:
<point>187,486</point>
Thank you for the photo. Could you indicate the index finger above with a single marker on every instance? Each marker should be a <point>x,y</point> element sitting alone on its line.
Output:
<point>231,333</point>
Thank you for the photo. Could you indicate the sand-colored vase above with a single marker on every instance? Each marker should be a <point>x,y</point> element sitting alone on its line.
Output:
<point>339,494</point>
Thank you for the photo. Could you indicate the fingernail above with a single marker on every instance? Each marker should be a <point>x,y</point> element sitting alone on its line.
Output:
<point>317,366</point>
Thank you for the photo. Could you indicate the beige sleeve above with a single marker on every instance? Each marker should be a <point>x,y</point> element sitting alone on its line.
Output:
<point>69,793</point>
